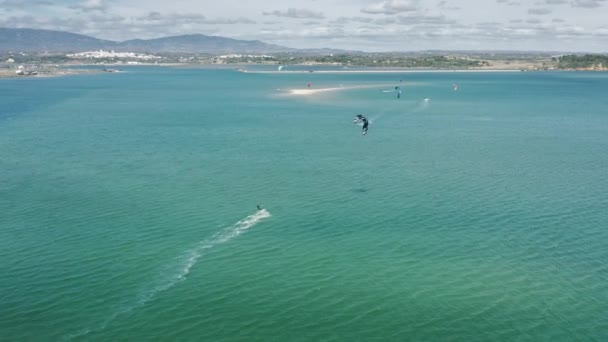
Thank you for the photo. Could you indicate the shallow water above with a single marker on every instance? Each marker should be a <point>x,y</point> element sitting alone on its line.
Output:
<point>127,207</point>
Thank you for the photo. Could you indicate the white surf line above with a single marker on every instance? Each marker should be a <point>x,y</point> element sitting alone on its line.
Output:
<point>190,260</point>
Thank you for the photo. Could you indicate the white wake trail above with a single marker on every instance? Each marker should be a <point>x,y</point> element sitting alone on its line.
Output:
<point>224,236</point>
<point>189,260</point>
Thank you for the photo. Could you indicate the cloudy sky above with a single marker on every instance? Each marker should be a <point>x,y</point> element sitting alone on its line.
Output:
<point>368,25</point>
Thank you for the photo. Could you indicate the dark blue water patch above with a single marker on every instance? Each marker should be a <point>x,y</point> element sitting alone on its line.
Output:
<point>22,95</point>
<point>25,95</point>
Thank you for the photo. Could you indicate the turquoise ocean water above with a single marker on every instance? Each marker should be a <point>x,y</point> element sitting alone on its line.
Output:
<point>128,207</point>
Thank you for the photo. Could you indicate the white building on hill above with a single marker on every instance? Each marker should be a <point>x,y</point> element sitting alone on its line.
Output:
<point>111,54</point>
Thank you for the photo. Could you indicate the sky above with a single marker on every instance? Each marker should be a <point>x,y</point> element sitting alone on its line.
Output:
<point>362,25</point>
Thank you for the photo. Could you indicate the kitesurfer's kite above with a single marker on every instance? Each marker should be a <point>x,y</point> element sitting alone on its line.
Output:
<point>363,119</point>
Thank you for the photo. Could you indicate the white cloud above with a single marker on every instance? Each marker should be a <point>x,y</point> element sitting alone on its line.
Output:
<point>230,21</point>
<point>351,24</point>
<point>92,5</point>
<point>297,13</point>
<point>539,11</point>
<point>391,7</point>
<point>588,3</point>
<point>173,19</point>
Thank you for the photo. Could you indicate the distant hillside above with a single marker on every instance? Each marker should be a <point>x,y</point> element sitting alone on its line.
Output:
<point>33,40</point>
<point>199,43</point>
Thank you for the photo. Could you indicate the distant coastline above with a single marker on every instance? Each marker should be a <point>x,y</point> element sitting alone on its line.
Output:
<point>378,70</point>
<point>43,72</point>
<point>31,48</point>
<point>68,69</point>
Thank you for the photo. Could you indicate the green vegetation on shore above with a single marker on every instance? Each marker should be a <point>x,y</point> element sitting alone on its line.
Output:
<point>439,62</point>
<point>403,62</point>
<point>395,60</point>
<point>598,62</point>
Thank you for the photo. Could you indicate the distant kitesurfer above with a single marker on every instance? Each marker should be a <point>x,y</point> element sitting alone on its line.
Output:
<point>361,118</point>
<point>365,124</point>
<point>259,207</point>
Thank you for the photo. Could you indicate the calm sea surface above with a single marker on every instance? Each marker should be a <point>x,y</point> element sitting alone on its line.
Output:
<point>128,207</point>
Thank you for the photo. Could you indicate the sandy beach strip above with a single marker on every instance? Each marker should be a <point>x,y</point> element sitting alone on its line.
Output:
<point>45,73</point>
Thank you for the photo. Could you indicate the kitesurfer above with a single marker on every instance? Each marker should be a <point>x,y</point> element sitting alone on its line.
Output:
<point>259,207</point>
<point>363,119</point>
<point>365,124</point>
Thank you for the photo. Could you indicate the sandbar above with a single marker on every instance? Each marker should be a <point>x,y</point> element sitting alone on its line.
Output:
<point>313,91</point>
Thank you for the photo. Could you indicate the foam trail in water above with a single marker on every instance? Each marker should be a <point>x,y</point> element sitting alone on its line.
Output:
<point>422,105</point>
<point>373,120</point>
<point>221,237</point>
<point>190,260</point>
